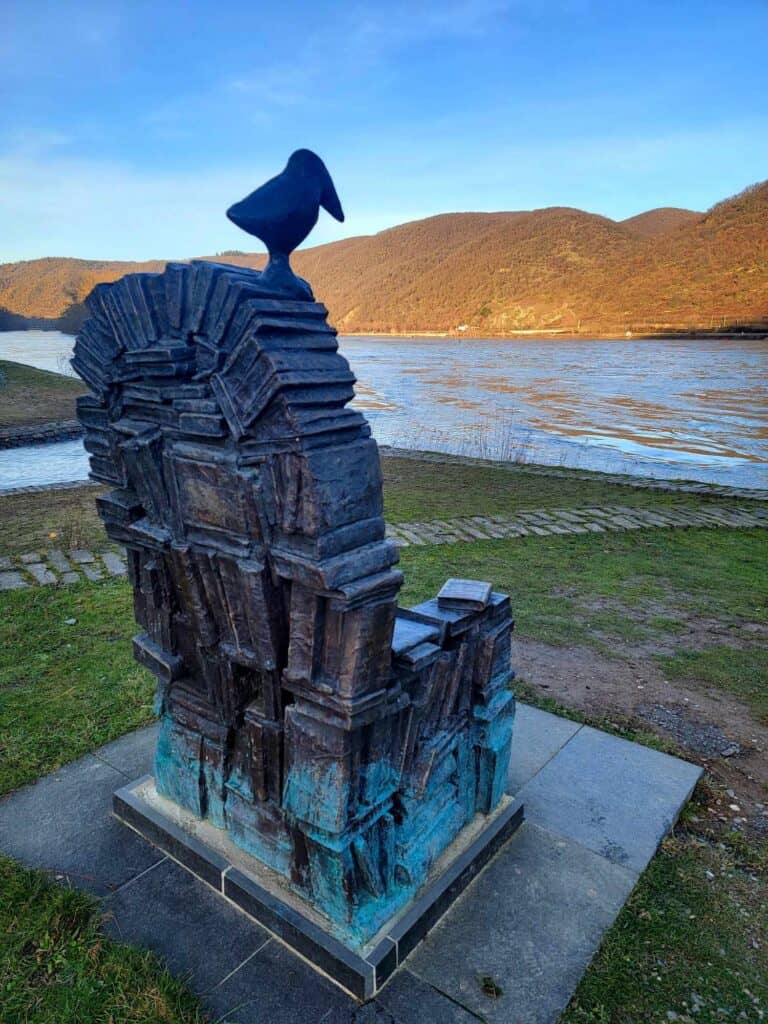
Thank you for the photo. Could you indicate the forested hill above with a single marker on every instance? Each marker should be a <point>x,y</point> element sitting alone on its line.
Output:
<point>556,269</point>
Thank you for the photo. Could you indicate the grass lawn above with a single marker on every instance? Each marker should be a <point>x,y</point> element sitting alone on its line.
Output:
<point>64,519</point>
<point>29,396</point>
<point>692,943</point>
<point>57,967</point>
<point>66,688</point>
<point>417,490</point>
<point>618,592</point>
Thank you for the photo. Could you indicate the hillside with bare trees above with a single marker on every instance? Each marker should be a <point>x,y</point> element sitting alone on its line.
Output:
<point>551,270</point>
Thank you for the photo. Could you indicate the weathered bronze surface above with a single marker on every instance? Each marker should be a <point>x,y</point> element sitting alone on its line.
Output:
<point>339,739</point>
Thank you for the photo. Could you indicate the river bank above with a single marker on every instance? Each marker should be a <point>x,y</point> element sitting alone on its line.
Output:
<point>759,332</point>
<point>36,405</point>
<point>41,433</point>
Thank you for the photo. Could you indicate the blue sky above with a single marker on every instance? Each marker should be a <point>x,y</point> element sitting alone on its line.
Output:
<point>127,128</point>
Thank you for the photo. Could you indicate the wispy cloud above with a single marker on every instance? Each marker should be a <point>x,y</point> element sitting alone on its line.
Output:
<point>102,209</point>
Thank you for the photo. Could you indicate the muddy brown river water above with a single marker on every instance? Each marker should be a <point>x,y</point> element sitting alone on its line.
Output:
<point>678,408</point>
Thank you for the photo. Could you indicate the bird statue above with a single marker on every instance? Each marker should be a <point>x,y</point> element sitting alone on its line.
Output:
<point>283,211</point>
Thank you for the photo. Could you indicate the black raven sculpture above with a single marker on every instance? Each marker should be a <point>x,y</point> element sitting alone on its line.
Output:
<point>283,211</point>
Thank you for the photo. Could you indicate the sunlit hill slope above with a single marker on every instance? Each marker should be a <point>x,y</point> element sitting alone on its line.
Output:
<point>551,270</point>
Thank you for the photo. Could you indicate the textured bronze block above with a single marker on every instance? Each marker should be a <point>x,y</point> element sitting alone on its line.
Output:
<point>342,741</point>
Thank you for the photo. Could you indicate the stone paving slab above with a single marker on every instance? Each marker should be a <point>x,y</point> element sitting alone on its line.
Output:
<point>58,560</point>
<point>531,920</point>
<point>41,574</point>
<point>63,823</point>
<point>114,564</point>
<point>179,927</point>
<point>532,923</point>
<point>132,755</point>
<point>12,581</point>
<point>573,522</point>
<point>616,798</point>
<point>538,737</point>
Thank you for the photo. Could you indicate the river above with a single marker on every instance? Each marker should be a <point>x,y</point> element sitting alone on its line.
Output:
<point>678,408</point>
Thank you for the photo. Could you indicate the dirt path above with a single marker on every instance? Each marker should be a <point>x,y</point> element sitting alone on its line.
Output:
<point>707,726</point>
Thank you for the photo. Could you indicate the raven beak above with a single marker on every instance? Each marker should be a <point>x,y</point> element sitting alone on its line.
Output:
<point>329,200</point>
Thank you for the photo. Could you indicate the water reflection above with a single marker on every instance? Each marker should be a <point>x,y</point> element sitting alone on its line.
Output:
<point>38,464</point>
<point>679,408</point>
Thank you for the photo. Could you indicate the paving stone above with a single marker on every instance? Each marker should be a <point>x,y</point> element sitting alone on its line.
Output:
<point>58,560</point>
<point>276,987</point>
<point>12,581</point>
<point>452,529</point>
<point>572,517</point>
<point>132,754</point>
<point>70,577</point>
<point>512,530</point>
<point>612,796</point>
<point>626,523</point>
<point>487,526</point>
<point>197,933</point>
<point>81,557</point>
<point>411,1000</point>
<point>63,824</point>
<point>472,529</point>
<point>41,574</point>
<point>409,535</point>
<point>5,564</point>
<point>92,572</point>
<point>29,556</point>
<point>114,565</point>
<point>531,922</point>
<point>537,737</point>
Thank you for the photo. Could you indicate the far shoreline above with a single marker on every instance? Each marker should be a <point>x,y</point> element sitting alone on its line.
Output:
<point>522,335</point>
<point>561,336</point>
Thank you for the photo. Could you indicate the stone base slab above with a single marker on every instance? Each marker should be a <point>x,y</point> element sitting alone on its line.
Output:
<point>209,854</point>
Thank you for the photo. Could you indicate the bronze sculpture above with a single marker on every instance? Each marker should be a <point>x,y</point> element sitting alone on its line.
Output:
<point>341,740</point>
<point>283,211</point>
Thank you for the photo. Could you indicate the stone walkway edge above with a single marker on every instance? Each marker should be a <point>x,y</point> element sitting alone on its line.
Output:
<point>572,521</point>
<point>56,567</point>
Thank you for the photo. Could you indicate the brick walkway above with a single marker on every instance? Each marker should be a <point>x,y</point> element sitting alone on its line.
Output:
<point>57,567</point>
